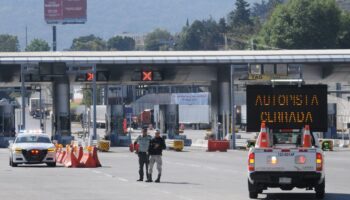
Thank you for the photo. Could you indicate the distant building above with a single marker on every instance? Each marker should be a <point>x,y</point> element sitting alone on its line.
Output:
<point>344,4</point>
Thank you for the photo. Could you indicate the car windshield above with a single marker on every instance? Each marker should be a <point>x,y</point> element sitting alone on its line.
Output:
<point>33,139</point>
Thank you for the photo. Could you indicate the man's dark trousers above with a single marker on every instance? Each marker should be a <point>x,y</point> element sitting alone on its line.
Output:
<point>143,160</point>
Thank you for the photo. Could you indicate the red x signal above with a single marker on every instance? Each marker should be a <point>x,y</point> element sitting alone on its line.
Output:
<point>89,76</point>
<point>147,76</point>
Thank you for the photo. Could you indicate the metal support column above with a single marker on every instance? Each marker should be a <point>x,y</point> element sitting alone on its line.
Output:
<point>94,101</point>
<point>41,110</point>
<point>23,94</point>
<point>233,108</point>
<point>54,38</point>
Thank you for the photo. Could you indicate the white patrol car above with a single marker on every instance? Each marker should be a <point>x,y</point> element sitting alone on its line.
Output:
<point>32,148</point>
<point>286,162</point>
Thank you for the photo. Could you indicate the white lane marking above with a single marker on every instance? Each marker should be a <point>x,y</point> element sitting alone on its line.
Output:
<point>108,175</point>
<point>96,172</point>
<point>123,179</point>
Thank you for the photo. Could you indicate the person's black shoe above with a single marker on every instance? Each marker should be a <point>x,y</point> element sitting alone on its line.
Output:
<point>149,178</point>
<point>158,179</point>
<point>141,179</point>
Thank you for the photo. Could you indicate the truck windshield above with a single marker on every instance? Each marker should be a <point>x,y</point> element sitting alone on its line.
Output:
<point>33,139</point>
<point>287,138</point>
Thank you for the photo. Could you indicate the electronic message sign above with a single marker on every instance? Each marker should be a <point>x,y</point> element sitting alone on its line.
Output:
<point>287,107</point>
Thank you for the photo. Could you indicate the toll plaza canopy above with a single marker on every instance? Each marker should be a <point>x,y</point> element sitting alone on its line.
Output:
<point>179,57</point>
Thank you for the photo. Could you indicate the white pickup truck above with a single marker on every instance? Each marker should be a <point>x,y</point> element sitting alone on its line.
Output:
<point>285,162</point>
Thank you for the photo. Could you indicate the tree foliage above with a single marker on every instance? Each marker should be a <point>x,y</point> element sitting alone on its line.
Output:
<point>159,40</point>
<point>121,43</point>
<point>9,43</point>
<point>343,41</point>
<point>264,9</point>
<point>240,16</point>
<point>38,45</point>
<point>303,24</point>
<point>202,35</point>
<point>89,43</point>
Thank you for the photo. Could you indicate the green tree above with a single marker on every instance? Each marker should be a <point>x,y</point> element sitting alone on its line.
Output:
<point>264,9</point>
<point>38,45</point>
<point>240,25</point>
<point>121,43</point>
<point>241,15</point>
<point>158,40</point>
<point>9,43</point>
<point>344,33</point>
<point>303,24</point>
<point>202,35</point>
<point>89,43</point>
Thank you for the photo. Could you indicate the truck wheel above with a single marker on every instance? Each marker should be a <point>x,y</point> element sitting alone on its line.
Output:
<point>253,190</point>
<point>320,190</point>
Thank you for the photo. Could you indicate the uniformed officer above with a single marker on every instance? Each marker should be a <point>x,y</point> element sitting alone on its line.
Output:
<point>143,141</point>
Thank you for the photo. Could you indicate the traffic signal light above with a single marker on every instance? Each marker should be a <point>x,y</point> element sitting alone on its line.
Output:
<point>147,76</point>
<point>89,76</point>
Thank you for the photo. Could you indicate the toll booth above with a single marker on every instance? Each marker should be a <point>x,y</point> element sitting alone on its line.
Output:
<point>167,120</point>
<point>61,107</point>
<point>7,122</point>
<point>114,129</point>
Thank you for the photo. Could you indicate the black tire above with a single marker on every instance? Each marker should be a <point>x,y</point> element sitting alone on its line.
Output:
<point>12,164</point>
<point>320,190</point>
<point>51,164</point>
<point>253,191</point>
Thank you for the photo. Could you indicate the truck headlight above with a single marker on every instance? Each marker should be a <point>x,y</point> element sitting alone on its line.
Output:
<point>51,150</point>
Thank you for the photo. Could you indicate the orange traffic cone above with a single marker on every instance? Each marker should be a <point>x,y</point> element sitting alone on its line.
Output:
<point>307,137</point>
<point>61,157</point>
<point>58,152</point>
<point>88,160</point>
<point>71,160</point>
<point>80,153</point>
<point>263,138</point>
<point>94,155</point>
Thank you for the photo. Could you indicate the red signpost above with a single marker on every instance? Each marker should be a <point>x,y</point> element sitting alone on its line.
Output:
<point>53,11</point>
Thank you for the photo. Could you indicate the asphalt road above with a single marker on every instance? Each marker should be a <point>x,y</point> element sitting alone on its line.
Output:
<point>190,175</point>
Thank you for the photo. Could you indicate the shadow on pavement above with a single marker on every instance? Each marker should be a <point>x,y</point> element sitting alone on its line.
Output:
<point>304,196</point>
<point>36,166</point>
<point>178,183</point>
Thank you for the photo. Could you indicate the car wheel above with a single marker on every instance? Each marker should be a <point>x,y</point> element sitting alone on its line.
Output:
<point>253,191</point>
<point>320,190</point>
<point>51,164</point>
<point>12,164</point>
